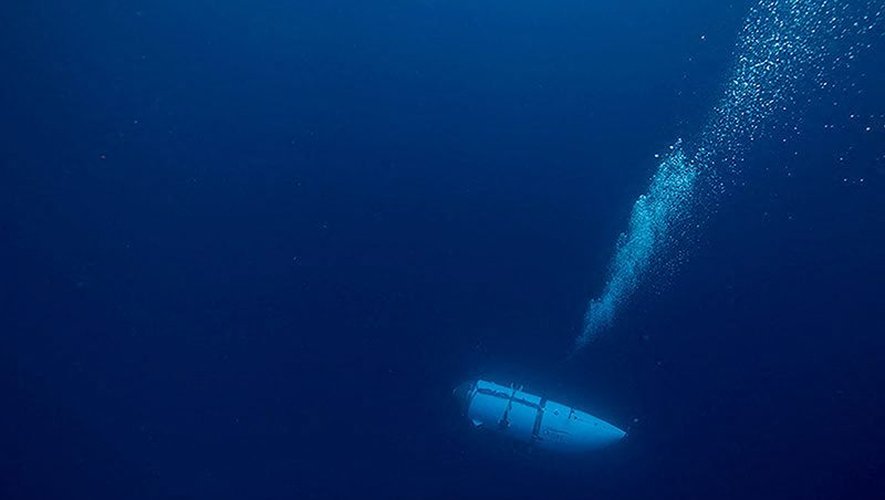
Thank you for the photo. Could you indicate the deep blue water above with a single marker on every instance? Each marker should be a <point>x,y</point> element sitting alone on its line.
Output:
<point>248,248</point>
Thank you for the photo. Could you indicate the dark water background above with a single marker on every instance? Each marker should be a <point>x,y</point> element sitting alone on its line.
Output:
<point>248,248</point>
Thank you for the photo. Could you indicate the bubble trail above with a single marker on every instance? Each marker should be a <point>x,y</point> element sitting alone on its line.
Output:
<point>785,47</point>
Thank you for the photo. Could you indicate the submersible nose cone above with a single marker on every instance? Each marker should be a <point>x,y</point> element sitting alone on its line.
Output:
<point>601,431</point>
<point>463,393</point>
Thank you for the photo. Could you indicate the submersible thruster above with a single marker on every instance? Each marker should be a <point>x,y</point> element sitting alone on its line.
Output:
<point>533,419</point>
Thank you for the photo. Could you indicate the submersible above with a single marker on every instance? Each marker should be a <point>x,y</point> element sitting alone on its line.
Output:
<point>533,419</point>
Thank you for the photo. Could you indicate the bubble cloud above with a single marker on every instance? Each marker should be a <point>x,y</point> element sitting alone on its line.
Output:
<point>786,50</point>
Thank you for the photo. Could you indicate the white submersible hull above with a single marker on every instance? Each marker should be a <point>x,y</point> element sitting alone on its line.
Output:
<point>533,419</point>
